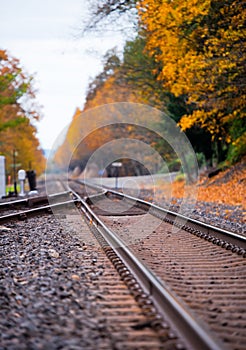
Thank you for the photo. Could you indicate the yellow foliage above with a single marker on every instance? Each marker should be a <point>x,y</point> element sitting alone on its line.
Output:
<point>202,56</point>
<point>80,143</point>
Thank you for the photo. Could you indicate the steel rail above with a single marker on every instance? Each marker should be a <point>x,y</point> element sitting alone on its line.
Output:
<point>22,215</point>
<point>178,219</point>
<point>29,202</point>
<point>196,334</point>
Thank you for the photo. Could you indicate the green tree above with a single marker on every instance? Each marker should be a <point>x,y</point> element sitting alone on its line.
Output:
<point>16,93</point>
<point>18,111</point>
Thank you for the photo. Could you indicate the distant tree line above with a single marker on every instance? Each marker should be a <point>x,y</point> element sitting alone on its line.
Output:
<point>188,60</point>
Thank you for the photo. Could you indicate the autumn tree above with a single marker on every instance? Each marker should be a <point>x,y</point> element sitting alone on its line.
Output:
<point>16,93</point>
<point>198,51</point>
<point>18,113</point>
<point>201,47</point>
<point>118,82</point>
<point>102,90</point>
<point>138,73</point>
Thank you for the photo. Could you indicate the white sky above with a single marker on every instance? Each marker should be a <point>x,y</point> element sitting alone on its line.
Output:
<point>43,35</point>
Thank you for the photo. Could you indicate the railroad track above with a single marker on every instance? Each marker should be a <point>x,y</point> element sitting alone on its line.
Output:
<point>201,266</point>
<point>59,290</point>
<point>191,290</point>
<point>14,210</point>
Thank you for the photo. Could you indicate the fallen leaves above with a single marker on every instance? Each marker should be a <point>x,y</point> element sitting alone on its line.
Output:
<point>222,189</point>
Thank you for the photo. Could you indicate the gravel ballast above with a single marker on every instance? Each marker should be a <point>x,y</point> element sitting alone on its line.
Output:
<point>45,299</point>
<point>56,289</point>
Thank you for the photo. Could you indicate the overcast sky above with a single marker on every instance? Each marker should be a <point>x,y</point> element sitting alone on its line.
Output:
<point>44,36</point>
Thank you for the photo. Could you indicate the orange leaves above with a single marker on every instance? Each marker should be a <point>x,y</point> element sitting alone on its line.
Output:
<point>207,120</point>
<point>187,122</point>
<point>3,55</point>
<point>201,48</point>
<point>217,189</point>
<point>172,28</point>
<point>231,193</point>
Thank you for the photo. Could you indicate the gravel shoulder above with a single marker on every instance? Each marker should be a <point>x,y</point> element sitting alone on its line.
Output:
<point>58,290</point>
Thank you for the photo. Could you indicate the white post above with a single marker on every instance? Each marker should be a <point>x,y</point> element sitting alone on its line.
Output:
<point>116,166</point>
<point>21,178</point>
<point>2,177</point>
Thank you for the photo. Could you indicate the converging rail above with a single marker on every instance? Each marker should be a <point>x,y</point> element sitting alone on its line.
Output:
<point>32,201</point>
<point>181,282</point>
<point>43,209</point>
<point>203,265</point>
<point>229,240</point>
<point>146,286</point>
